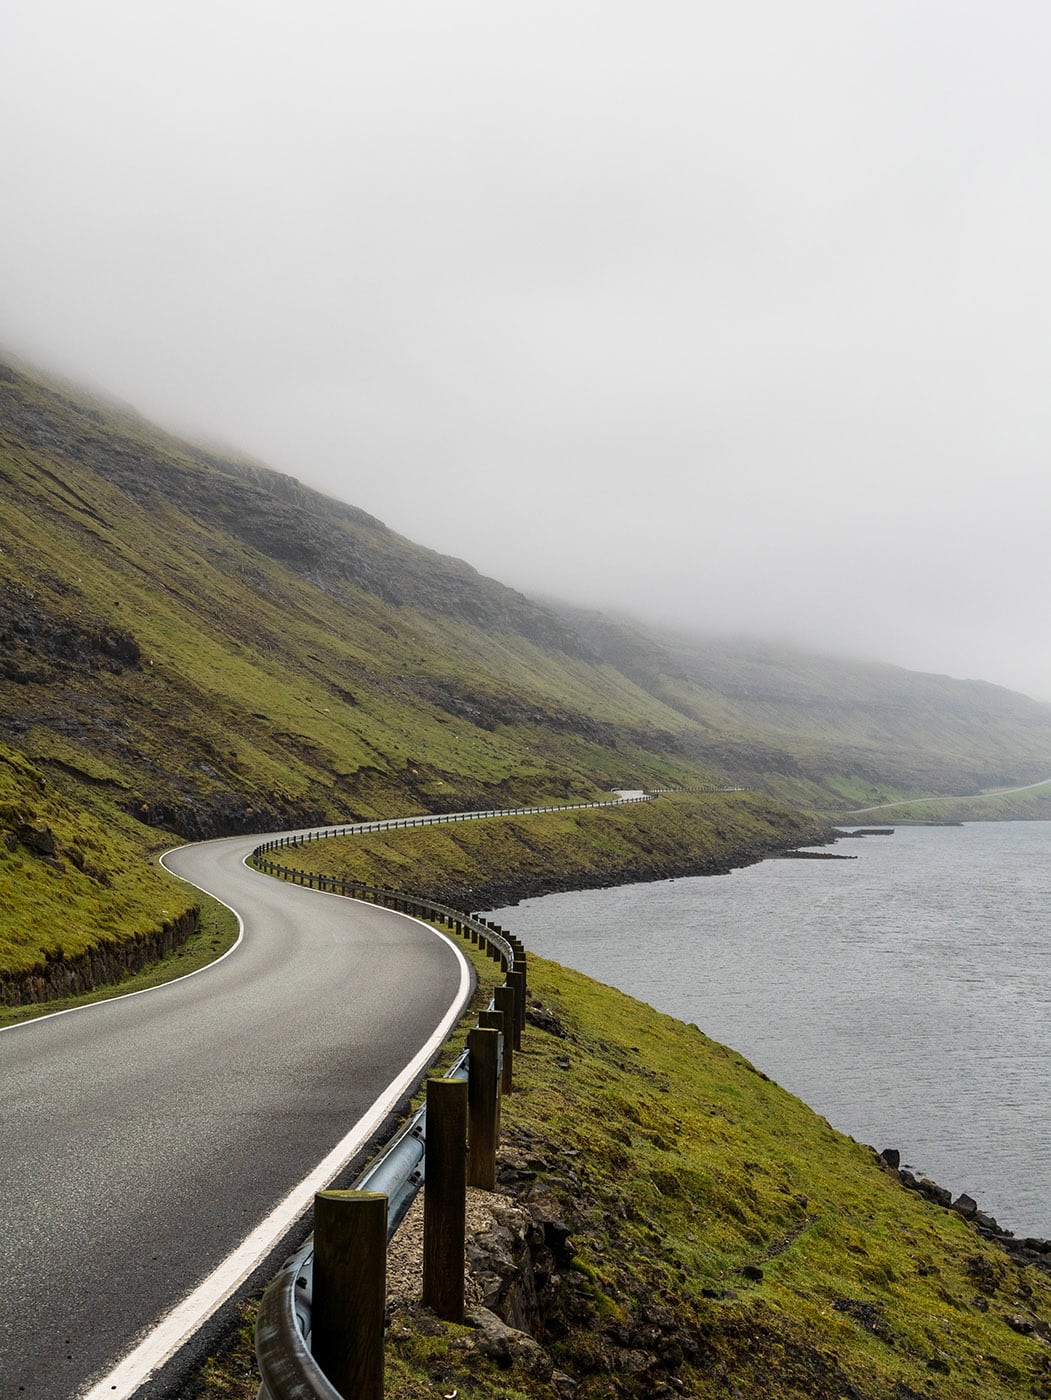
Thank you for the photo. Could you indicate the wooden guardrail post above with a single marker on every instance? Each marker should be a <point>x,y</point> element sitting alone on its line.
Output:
<point>350,1290</point>
<point>500,1020</point>
<point>516,979</point>
<point>445,1198</point>
<point>483,1107</point>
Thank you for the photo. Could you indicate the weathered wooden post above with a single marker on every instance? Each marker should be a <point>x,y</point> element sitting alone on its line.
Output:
<point>516,979</point>
<point>483,1107</point>
<point>445,1198</point>
<point>503,1025</point>
<point>350,1290</point>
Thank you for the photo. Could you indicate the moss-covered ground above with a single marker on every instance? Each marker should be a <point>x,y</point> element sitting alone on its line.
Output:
<point>73,874</point>
<point>216,933</point>
<point>794,1264</point>
<point>778,1257</point>
<point>490,861</point>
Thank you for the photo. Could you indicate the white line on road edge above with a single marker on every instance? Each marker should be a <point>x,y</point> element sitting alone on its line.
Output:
<point>184,1319</point>
<point>160,986</point>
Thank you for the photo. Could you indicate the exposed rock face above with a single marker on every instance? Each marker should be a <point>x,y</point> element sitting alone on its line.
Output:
<point>36,647</point>
<point>60,976</point>
<point>525,1294</point>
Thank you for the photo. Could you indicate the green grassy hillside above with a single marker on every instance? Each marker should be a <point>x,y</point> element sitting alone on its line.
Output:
<point>713,1237</point>
<point>831,731</point>
<point>724,1234</point>
<point>498,860</point>
<point>192,645</point>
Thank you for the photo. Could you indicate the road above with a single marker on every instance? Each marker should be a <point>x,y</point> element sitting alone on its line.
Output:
<point>913,801</point>
<point>145,1139</point>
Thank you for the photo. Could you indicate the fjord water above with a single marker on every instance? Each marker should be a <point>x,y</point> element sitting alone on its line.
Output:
<point>905,995</point>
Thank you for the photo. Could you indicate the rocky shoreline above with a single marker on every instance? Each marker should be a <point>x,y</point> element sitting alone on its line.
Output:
<point>1027,1250</point>
<point>503,892</point>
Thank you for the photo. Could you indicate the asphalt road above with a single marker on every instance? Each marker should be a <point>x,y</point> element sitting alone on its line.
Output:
<point>144,1138</point>
<point>968,797</point>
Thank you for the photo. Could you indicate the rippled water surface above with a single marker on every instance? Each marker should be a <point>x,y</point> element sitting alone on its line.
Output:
<point>906,995</point>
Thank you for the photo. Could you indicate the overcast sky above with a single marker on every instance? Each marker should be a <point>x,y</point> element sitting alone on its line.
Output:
<point>737,314</point>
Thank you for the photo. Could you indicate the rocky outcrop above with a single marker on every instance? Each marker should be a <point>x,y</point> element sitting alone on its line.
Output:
<point>62,976</point>
<point>531,1309</point>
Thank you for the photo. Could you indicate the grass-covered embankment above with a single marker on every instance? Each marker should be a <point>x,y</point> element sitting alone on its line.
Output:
<point>82,897</point>
<point>726,1239</point>
<point>1024,804</point>
<point>216,932</point>
<point>497,860</point>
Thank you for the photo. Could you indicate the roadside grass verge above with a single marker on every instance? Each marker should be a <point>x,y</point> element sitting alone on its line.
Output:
<point>217,933</point>
<point>74,875</point>
<point>796,1267</point>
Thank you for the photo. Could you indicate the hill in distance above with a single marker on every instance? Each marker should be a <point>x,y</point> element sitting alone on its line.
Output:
<point>192,645</point>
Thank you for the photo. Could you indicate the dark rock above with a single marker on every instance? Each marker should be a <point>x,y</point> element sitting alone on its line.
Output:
<point>39,839</point>
<point>1018,1323</point>
<point>505,1345</point>
<point>753,1272</point>
<point>966,1206</point>
<point>891,1157</point>
<point>935,1193</point>
<point>545,1020</point>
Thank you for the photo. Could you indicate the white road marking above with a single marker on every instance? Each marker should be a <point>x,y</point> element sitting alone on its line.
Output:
<point>159,1345</point>
<point>124,996</point>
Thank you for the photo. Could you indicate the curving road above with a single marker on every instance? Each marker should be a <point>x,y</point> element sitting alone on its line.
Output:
<point>161,1143</point>
<point>969,797</point>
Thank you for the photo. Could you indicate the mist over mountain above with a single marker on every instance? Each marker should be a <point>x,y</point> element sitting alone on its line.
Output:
<point>236,644</point>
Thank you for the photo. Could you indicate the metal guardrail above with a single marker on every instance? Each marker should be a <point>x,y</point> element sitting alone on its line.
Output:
<point>283,1327</point>
<point>284,1323</point>
<point>323,833</point>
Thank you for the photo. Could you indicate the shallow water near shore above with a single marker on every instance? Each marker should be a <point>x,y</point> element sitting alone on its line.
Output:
<point>905,995</point>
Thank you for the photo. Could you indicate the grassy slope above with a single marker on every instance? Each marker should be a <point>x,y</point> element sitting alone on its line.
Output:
<point>1033,805</point>
<point>833,732</point>
<point>693,1165</point>
<point>483,863</point>
<point>677,1165</point>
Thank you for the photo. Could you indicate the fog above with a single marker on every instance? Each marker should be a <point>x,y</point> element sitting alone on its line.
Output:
<point>737,316</point>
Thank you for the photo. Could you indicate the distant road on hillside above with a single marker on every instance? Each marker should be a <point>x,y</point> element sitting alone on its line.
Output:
<point>144,1138</point>
<point>911,801</point>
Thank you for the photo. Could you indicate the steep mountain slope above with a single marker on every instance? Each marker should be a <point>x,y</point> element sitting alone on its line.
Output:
<point>832,731</point>
<point>196,645</point>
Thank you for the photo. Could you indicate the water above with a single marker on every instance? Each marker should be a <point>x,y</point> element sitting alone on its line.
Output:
<point>905,995</point>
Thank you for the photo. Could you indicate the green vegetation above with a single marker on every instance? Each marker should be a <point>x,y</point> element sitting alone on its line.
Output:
<point>780,1258</point>
<point>678,1166</point>
<point>1032,804</point>
<point>72,879</point>
<point>483,863</point>
<point>217,931</point>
